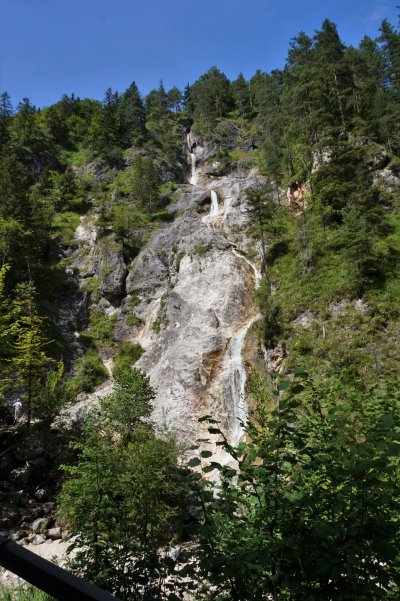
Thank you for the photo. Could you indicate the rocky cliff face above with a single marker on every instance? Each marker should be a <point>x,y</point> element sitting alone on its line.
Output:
<point>191,292</point>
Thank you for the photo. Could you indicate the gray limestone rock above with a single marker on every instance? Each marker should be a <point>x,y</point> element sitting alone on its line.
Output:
<point>54,533</point>
<point>305,319</point>
<point>387,179</point>
<point>39,525</point>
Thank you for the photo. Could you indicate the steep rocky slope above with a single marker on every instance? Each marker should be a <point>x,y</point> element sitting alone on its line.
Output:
<point>189,294</point>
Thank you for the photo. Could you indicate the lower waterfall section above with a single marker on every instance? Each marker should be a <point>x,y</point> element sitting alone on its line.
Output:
<point>235,397</point>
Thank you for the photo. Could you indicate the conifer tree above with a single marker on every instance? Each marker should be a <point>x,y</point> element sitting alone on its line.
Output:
<point>123,496</point>
<point>241,95</point>
<point>212,96</point>
<point>131,117</point>
<point>390,40</point>
<point>175,99</point>
<point>30,360</point>
<point>5,118</point>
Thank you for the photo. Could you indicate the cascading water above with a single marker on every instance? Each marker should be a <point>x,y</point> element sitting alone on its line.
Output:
<point>238,411</point>
<point>194,178</point>
<point>232,366</point>
<point>214,204</point>
<point>233,363</point>
<point>257,272</point>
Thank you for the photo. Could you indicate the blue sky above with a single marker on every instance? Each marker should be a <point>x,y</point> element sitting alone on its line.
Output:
<point>51,47</point>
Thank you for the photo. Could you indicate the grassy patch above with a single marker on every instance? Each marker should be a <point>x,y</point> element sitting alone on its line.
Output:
<point>80,157</point>
<point>127,354</point>
<point>64,226</point>
<point>133,320</point>
<point>92,285</point>
<point>100,333</point>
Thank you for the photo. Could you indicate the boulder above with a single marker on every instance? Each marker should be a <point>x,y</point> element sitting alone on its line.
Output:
<point>54,533</point>
<point>39,525</point>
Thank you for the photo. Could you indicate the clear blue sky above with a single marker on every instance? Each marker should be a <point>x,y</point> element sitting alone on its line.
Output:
<point>51,47</point>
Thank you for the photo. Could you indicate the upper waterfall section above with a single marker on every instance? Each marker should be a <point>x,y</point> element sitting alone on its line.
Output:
<point>194,176</point>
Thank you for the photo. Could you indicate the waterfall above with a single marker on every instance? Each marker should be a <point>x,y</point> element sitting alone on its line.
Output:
<point>193,180</point>
<point>233,368</point>
<point>214,204</point>
<point>237,382</point>
<point>236,369</point>
<point>257,272</point>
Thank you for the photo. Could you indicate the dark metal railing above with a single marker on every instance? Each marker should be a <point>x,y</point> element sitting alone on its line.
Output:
<point>50,578</point>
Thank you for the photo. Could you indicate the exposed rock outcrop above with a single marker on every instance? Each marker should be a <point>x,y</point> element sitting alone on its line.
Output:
<point>110,269</point>
<point>187,298</point>
<point>195,296</point>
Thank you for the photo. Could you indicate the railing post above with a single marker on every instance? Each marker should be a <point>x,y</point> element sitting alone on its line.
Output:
<point>50,578</point>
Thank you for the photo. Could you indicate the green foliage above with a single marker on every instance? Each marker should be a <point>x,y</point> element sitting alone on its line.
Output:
<point>145,183</point>
<point>211,97</point>
<point>89,372</point>
<point>30,360</point>
<point>270,326</point>
<point>100,332</point>
<point>23,593</point>
<point>55,394</point>
<point>132,117</point>
<point>126,355</point>
<point>104,129</point>
<point>92,285</point>
<point>130,402</point>
<point>123,497</point>
<point>310,511</point>
<point>64,226</point>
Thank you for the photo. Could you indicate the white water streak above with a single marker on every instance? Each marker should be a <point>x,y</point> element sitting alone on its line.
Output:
<point>234,364</point>
<point>256,271</point>
<point>214,204</point>
<point>194,179</point>
<point>237,382</point>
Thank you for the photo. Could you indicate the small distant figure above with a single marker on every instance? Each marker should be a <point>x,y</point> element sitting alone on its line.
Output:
<point>17,406</point>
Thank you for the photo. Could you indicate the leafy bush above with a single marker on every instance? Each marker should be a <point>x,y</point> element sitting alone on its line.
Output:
<point>100,332</point>
<point>123,498</point>
<point>310,508</point>
<point>127,354</point>
<point>64,226</point>
<point>89,372</point>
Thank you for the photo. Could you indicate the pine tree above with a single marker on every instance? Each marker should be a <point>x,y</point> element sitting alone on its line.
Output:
<point>175,99</point>
<point>6,112</point>
<point>212,97</point>
<point>241,94</point>
<point>30,360</point>
<point>156,103</point>
<point>332,74</point>
<point>145,183</point>
<point>105,128</point>
<point>132,117</point>
<point>390,40</point>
